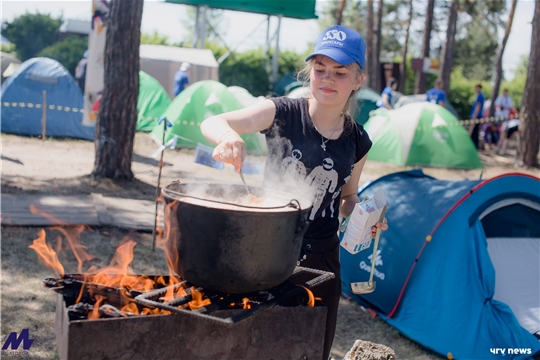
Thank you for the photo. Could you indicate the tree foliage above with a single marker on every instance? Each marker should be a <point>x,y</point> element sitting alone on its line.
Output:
<point>247,69</point>
<point>477,38</point>
<point>31,33</point>
<point>67,52</point>
<point>154,38</point>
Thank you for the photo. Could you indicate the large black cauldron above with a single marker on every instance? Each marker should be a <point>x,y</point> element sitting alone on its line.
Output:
<point>218,239</point>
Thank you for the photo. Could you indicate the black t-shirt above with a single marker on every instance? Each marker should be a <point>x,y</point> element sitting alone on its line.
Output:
<point>301,161</point>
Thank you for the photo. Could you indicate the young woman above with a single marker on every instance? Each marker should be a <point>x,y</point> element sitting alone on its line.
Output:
<point>313,144</point>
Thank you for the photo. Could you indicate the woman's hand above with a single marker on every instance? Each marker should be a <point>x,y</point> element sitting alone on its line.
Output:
<point>383,226</point>
<point>231,150</point>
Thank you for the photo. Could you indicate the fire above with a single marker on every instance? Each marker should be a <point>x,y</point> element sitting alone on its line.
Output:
<point>73,236</point>
<point>198,300</point>
<point>46,253</point>
<point>246,304</point>
<point>118,275</point>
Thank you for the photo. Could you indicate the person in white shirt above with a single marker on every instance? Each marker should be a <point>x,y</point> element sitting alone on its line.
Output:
<point>503,104</point>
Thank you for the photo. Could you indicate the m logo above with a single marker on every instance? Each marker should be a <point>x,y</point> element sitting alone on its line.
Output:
<point>15,341</point>
<point>335,35</point>
<point>378,259</point>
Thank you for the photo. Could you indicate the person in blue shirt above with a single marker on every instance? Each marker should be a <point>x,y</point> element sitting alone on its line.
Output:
<point>181,78</point>
<point>476,113</point>
<point>385,101</point>
<point>437,94</point>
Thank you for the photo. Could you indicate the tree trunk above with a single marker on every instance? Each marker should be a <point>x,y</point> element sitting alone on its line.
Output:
<point>498,62</point>
<point>420,80</point>
<point>115,128</point>
<point>447,55</point>
<point>339,11</point>
<point>369,45</point>
<point>529,129</point>
<point>377,48</point>
<point>404,48</point>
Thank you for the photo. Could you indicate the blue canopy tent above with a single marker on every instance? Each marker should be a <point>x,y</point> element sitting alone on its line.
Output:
<point>458,269</point>
<point>22,97</point>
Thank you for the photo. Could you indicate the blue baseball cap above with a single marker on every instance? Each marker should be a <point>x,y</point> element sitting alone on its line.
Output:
<point>341,44</point>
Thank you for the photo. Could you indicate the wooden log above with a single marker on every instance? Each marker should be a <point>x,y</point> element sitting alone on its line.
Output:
<point>366,350</point>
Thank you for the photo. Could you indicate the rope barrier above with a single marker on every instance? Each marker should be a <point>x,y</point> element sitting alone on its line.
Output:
<point>38,106</point>
<point>492,119</point>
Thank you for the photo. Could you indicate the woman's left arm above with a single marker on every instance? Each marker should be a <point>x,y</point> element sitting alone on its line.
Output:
<point>349,195</point>
<point>349,191</point>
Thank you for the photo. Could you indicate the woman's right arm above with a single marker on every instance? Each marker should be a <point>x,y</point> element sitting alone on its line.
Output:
<point>224,129</point>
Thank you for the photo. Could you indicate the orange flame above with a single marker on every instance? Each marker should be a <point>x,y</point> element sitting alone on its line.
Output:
<point>46,254</point>
<point>311,297</point>
<point>119,274</point>
<point>35,210</point>
<point>73,237</point>
<point>246,304</point>
<point>95,311</point>
<point>198,300</point>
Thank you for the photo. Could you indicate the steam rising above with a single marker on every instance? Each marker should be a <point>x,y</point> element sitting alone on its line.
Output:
<point>285,178</point>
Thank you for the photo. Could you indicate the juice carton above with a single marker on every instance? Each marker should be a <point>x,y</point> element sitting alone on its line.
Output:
<point>357,236</point>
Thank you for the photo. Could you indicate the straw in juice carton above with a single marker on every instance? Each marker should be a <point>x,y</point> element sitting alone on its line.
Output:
<point>357,236</point>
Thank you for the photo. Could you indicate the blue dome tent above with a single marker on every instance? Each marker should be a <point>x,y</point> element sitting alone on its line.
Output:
<point>458,270</point>
<point>22,98</point>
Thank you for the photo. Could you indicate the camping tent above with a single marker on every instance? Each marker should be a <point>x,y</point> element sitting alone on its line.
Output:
<point>457,270</point>
<point>152,102</point>
<point>366,99</point>
<point>8,64</point>
<point>421,134</point>
<point>367,102</point>
<point>196,103</point>
<point>244,97</point>
<point>409,99</point>
<point>38,81</point>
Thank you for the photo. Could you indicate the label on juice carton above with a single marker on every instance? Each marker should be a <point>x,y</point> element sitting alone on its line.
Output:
<point>357,236</point>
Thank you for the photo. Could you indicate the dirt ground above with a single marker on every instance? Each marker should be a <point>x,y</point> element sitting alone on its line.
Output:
<point>62,167</point>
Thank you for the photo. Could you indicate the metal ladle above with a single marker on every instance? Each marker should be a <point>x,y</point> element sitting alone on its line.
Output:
<point>244,181</point>
<point>366,287</point>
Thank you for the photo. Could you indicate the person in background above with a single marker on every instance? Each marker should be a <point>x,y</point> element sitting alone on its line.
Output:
<point>80,71</point>
<point>437,94</point>
<point>314,145</point>
<point>181,78</point>
<point>385,101</point>
<point>503,104</point>
<point>476,113</point>
<point>509,129</point>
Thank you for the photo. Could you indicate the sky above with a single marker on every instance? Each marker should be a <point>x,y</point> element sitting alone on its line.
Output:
<point>244,30</point>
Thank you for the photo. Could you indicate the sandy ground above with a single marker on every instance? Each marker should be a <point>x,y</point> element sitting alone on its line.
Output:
<point>63,166</point>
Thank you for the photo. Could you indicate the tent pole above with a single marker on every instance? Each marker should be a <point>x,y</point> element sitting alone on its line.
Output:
<point>196,35</point>
<point>275,62</point>
<point>44,116</point>
<point>202,27</point>
<point>267,46</point>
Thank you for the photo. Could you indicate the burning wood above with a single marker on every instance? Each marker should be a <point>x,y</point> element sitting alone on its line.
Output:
<point>115,291</point>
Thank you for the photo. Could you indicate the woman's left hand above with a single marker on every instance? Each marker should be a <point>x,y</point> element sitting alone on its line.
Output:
<point>383,226</point>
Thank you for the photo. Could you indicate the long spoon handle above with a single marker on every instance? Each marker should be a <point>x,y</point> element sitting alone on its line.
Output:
<point>374,256</point>
<point>244,181</point>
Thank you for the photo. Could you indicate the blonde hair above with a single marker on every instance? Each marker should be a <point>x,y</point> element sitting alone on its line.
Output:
<point>351,107</point>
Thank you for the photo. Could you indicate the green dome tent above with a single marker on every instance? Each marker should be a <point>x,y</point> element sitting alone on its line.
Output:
<point>197,102</point>
<point>421,134</point>
<point>366,98</point>
<point>367,102</point>
<point>152,102</point>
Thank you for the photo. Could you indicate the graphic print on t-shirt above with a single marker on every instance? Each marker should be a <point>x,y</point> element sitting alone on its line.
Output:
<point>322,179</point>
<point>292,168</point>
<point>336,194</point>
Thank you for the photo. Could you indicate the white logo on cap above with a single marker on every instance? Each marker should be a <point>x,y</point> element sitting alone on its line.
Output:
<point>335,35</point>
